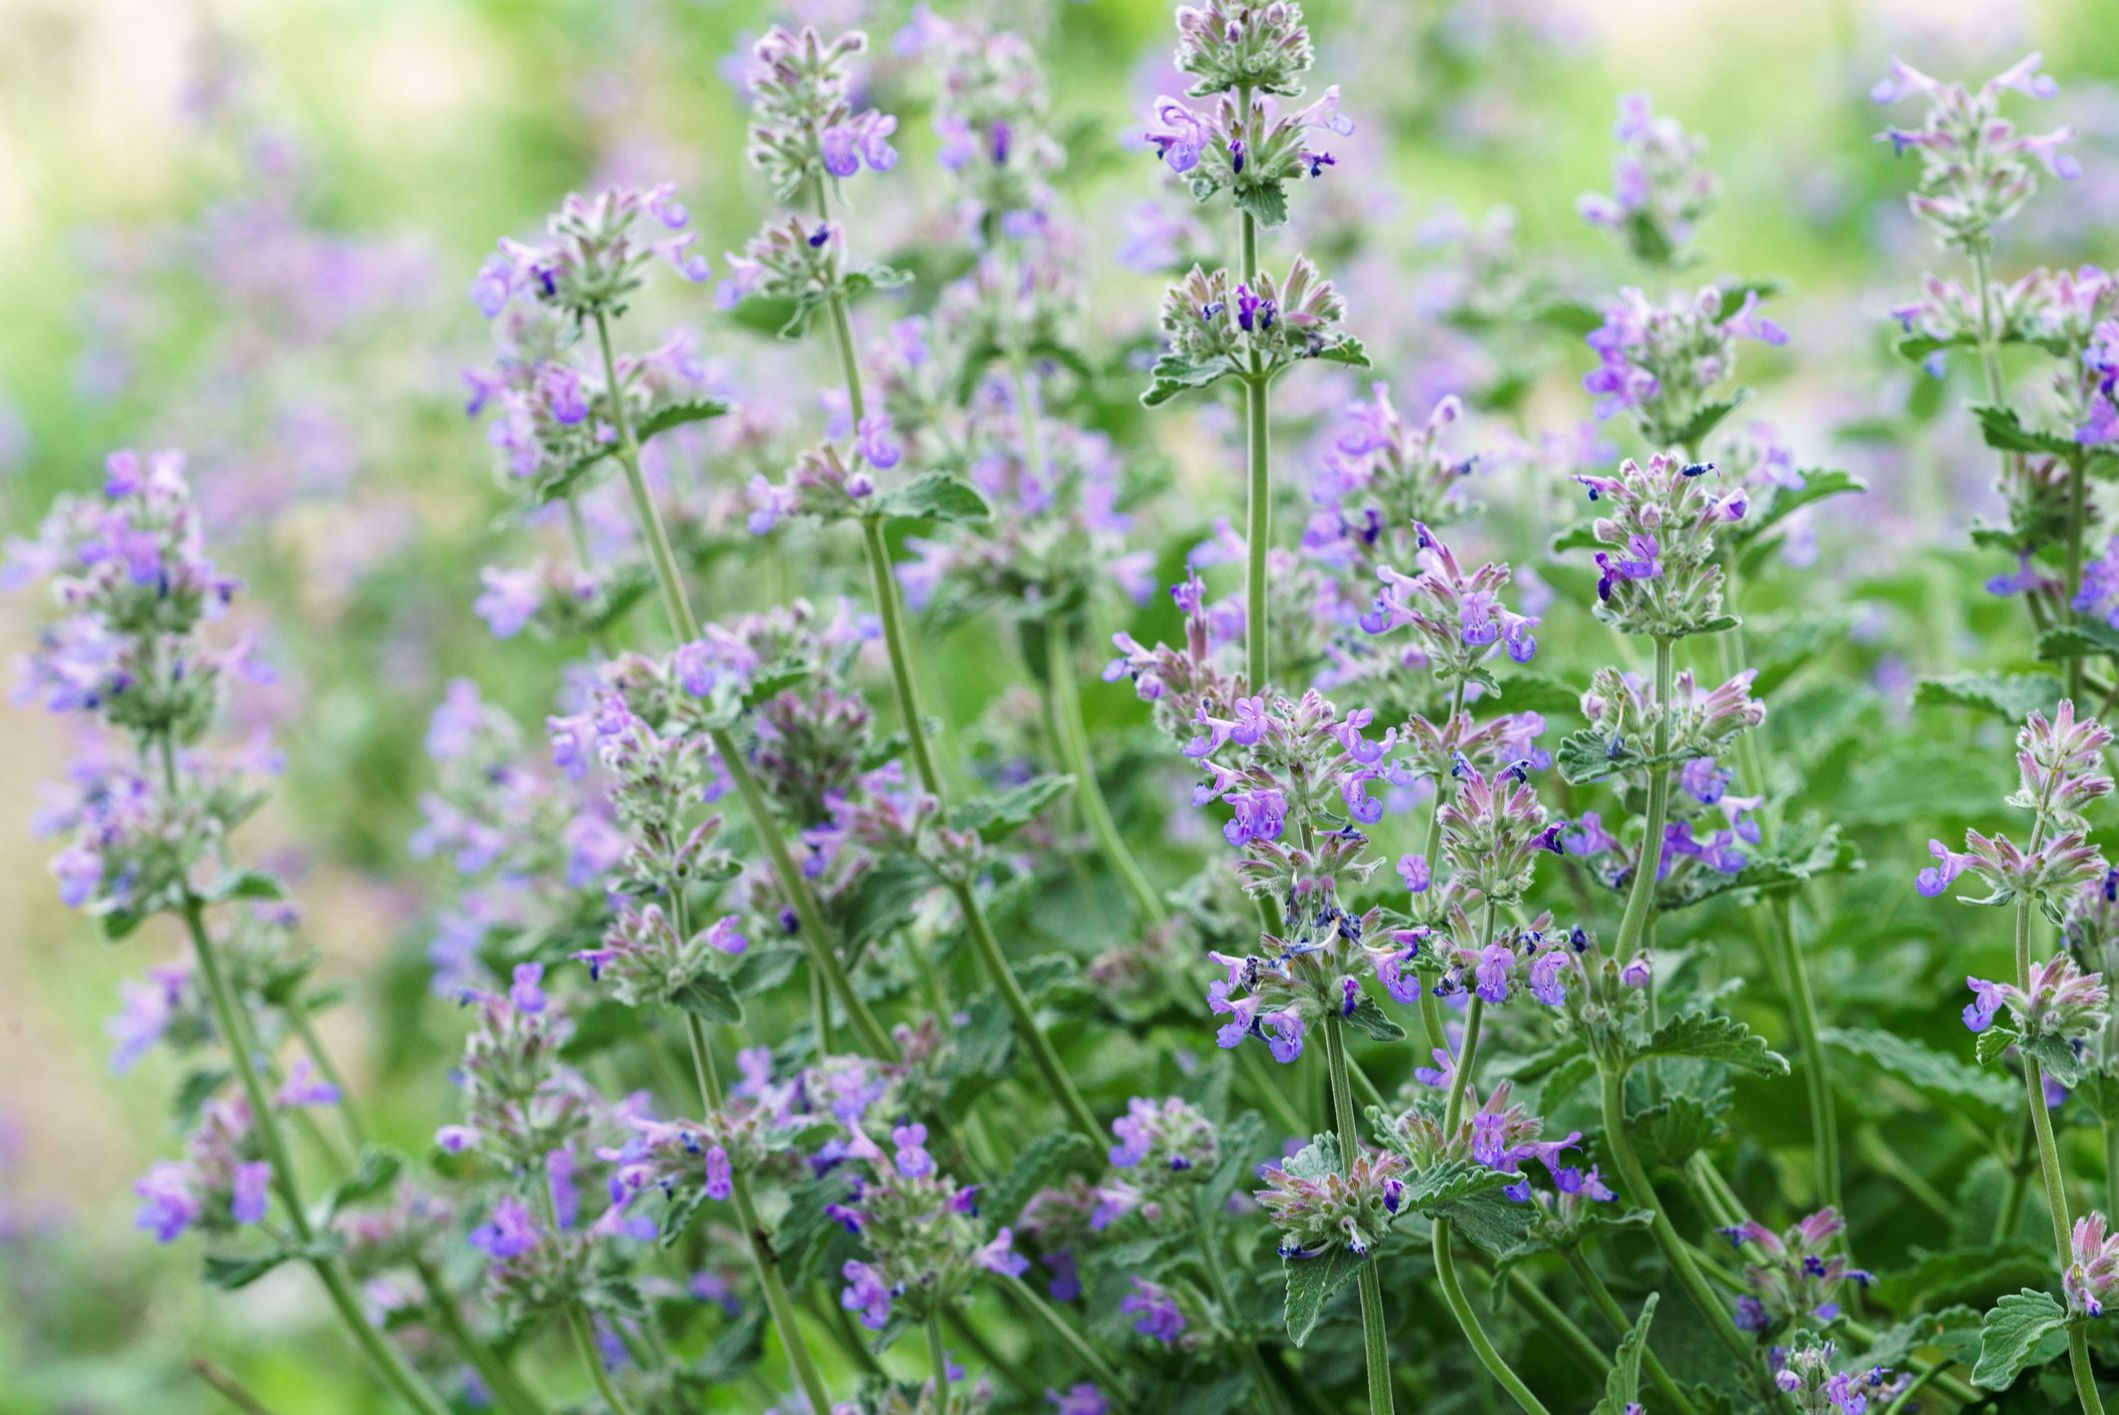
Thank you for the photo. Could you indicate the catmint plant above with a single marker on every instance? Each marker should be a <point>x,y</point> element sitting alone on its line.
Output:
<point>1246,322</point>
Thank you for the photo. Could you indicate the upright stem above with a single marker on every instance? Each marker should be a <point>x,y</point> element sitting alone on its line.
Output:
<point>1640,900</point>
<point>1375,1339</point>
<point>1600,1295</point>
<point>2049,1170</point>
<point>679,608</point>
<point>1795,973</point>
<point>1074,747</point>
<point>1063,1332</point>
<point>684,626</point>
<point>938,1358</point>
<point>1258,527</point>
<point>1620,1142</point>
<point>585,1343</point>
<point>1028,1030</point>
<point>507,1388</point>
<point>395,1373</point>
<point>764,1261</point>
<point>1439,1228</point>
<point>2077,516</point>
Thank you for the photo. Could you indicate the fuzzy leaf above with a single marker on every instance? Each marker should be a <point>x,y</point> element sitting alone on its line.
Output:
<point>2085,638</point>
<point>1433,1188</point>
<point>935,496</point>
<point>1938,1076</point>
<point>244,884</point>
<point>1311,1283</point>
<point>1042,1161</point>
<point>1238,1145</point>
<point>1993,1042</point>
<point>2016,1334</point>
<point>677,414</point>
<point>378,1169</point>
<point>805,1229</point>
<point>708,995</point>
<point>2005,432</point>
<point>2009,696</point>
<point>1173,375</point>
<point>1671,1133</point>
<point>1265,202</point>
<point>1623,1382</point>
<point>1370,1020</point>
<point>1715,1038</point>
<point>229,1274</point>
<point>1709,417</point>
<point>1000,815</point>
<point>1348,351</point>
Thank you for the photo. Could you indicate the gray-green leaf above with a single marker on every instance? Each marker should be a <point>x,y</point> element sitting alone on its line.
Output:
<point>2017,1333</point>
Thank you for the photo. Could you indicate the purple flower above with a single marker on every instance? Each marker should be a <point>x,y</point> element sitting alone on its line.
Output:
<point>1987,1001</point>
<point>1260,815</point>
<point>525,993</point>
<point>865,1293</point>
<point>874,441</point>
<point>1159,1315</point>
<point>248,1202</point>
<point>508,1233</point>
<point>167,1204</point>
<point>912,1158</point>
<point>1414,870</point>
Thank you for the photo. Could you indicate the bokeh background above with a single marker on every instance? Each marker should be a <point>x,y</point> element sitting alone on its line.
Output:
<point>247,228</point>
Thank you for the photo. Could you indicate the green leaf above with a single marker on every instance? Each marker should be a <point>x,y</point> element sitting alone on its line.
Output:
<point>2005,432</point>
<point>1964,1275</point>
<point>2055,1055</point>
<point>1715,1038</point>
<point>806,1229</point>
<point>2085,638</point>
<point>1266,202</point>
<point>378,1169</point>
<point>1526,691</point>
<point>1623,1382</point>
<point>1238,1145</point>
<point>1370,1020</point>
<point>244,884</point>
<point>2009,696</point>
<point>1673,1132</point>
<point>1696,428</point>
<point>229,1274</point>
<point>1751,535</point>
<point>763,968</point>
<point>1348,351</point>
<point>1000,815</point>
<point>1311,1283</point>
<point>1993,1042</point>
<point>1042,1161</point>
<point>677,414</point>
<point>886,898</point>
<point>1432,1189</point>
<point>197,1088</point>
<point>1173,375</point>
<point>708,995</point>
<point>1567,316</point>
<point>2013,1335</point>
<point>935,496</point>
<point>678,1214</point>
<point>1940,1078</point>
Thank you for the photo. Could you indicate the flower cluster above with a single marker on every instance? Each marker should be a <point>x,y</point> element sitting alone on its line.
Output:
<point>1499,1135</point>
<point>1165,1148</point>
<point>1320,1204</point>
<point>2062,1003</point>
<point>2094,1271</point>
<point>1458,620</point>
<point>921,1228</point>
<point>2057,761</point>
<point>595,253</point>
<point>1661,187</point>
<point>803,124</point>
<point>1662,362</point>
<point>992,116</point>
<point>1807,1376</point>
<point>1218,323</point>
<point>1798,1277</point>
<point>1659,577</point>
<point>1380,478</point>
<point>1974,173</point>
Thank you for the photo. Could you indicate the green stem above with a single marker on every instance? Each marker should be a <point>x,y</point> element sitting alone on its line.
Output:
<point>1601,1296</point>
<point>508,1389</point>
<point>778,1305</point>
<point>585,1343</point>
<point>1258,527</point>
<point>888,610</point>
<point>1640,900</point>
<point>229,1388</point>
<point>1374,1338</point>
<point>1523,1291</point>
<point>1099,1369</point>
<point>1073,742</point>
<point>2049,1171</point>
<point>1027,1028</point>
<point>939,1360</point>
<point>674,602</point>
<point>1620,1142</point>
<point>395,1373</point>
<point>2077,516</point>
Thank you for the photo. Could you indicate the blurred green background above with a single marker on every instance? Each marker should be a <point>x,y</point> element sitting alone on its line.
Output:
<point>247,227</point>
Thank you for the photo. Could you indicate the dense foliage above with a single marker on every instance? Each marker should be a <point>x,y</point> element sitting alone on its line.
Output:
<point>1455,936</point>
